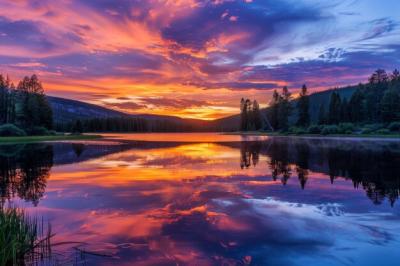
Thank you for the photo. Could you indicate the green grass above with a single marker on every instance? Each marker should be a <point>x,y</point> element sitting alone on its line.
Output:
<point>27,139</point>
<point>23,239</point>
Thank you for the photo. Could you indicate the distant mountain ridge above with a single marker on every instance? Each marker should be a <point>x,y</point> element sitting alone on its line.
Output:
<point>67,110</point>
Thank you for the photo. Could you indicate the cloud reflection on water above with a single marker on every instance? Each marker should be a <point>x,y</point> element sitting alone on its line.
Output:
<point>193,203</point>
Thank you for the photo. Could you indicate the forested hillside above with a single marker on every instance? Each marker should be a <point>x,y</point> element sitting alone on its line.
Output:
<point>373,107</point>
<point>232,123</point>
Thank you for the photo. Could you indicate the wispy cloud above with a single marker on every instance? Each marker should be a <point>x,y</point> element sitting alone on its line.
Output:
<point>163,50</point>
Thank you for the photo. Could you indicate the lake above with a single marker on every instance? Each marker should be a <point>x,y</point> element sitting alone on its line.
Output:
<point>209,199</point>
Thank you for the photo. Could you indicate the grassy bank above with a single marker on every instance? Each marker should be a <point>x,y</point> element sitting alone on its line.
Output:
<point>279,134</point>
<point>27,139</point>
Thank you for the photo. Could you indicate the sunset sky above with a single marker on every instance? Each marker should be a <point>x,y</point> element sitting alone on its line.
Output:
<point>195,58</point>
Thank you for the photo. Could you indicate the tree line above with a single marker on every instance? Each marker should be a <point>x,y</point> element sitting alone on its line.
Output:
<point>377,101</point>
<point>128,124</point>
<point>24,105</point>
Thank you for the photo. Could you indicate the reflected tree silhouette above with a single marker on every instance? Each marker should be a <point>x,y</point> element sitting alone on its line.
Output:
<point>374,168</point>
<point>249,154</point>
<point>279,162</point>
<point>78,148</point>
<point>24,170</point>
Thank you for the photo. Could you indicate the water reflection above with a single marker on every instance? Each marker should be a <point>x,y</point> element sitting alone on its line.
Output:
<point>24,171</point>
<point>274,202</point>
<point>373,167</point>
<point>25,168</point>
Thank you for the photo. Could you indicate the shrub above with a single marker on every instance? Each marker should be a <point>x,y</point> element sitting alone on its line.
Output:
<point>330,129</point>
<point>370,128</point>
<point>38,131</point>
<point>394,126</point>
<point>383,131</point>
<point>314,129</point>
<point>10,130</point>
<point>297,130</point>
<point>346,128</point>
<point>52,133</point>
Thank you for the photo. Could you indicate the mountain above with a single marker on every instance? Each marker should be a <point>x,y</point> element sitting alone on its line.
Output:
<point>66,110</point>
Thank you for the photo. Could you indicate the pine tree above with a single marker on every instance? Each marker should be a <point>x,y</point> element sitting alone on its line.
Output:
<point>378,76</point>
<point>344,111</point>
<point>249,115</point>
<point>77,127</point>
<point>3,100</point>
<point>243,115</point>
<point>274,109</point>
<point>356,105</point>
<point>390,105</point>
<point>395,75</point>
<point>322,115</point>
<point>303,108</point>
<point>257,116</point>
<point>284,110</point>
<point>334,108</point>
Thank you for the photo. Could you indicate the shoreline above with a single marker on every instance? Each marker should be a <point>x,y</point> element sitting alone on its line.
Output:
<point>394,137</point>
<point>34,139</point>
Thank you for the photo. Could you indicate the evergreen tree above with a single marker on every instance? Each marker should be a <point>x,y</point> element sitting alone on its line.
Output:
<point>322,115</point>
<point>390,105</point>
<point>249,115</point>
<point>285,109</point>
<point>32,107</point>
<point>378,76</point>
<point>334,108</point>
<point>356,106</point>
<point>344,111</point>
<point>3,100</point>
<point>395,75</point>
<point>257,120</point>
<point>243,115</point>
<point>303,108</point>
<point>77,127</point>
<point>274,109</point>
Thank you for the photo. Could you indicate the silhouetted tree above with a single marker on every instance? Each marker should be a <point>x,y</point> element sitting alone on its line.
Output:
<point>243,115</point>
<point>344,111</point>
<point>395,76</point>
<point>390,105</point>
<point>378,76</point>
<point>334,108</point>
<point>303,106</point>
<point>77,128</point>
<point>257,120</point>
<point>356,106</point>
<point>285,109</point>
<point>274,109</point>
<point>31,105</point>
<point>322,116</point>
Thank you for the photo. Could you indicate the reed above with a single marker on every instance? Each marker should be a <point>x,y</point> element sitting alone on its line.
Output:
<point>23,239</point>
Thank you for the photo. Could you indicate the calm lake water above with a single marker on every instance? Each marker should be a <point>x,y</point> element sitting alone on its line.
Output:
<point>208,199</point>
